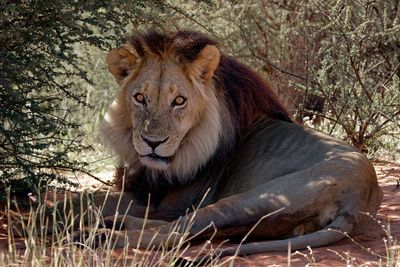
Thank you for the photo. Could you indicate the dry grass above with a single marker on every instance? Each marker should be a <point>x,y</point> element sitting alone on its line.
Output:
<point>37,239</point>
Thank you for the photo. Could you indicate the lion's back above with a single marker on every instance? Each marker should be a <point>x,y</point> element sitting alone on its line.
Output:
<point>275,148</point>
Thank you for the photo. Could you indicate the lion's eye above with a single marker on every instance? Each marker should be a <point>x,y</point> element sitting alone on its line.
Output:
<point>178,102</point>
<point>140,98</point>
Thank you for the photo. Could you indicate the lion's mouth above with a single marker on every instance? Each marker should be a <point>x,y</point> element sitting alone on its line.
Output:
<point>157,157</point>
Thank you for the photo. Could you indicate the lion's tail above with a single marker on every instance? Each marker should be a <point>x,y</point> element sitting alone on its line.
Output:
<point>337,230</point>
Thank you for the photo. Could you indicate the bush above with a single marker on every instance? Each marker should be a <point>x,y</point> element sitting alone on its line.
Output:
<point>354,64</point>
<point>39,68</point>
<point>336,59</point>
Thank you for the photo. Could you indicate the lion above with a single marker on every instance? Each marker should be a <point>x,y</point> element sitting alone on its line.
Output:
<point>193,127</point>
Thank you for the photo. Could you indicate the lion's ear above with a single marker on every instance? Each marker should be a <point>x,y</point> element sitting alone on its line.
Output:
<point>206,62</point>
<point>121,61</point>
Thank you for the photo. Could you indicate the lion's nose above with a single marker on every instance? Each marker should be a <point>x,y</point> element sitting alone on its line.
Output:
<point>154,143</point>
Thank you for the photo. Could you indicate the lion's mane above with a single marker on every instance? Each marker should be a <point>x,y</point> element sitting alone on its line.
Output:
<point>237,99</point>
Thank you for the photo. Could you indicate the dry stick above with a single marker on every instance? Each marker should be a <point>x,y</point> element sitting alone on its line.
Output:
<point>278,68</point>
<point>390,77</point>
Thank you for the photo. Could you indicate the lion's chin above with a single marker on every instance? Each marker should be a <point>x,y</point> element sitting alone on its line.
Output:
<point>155,163</point>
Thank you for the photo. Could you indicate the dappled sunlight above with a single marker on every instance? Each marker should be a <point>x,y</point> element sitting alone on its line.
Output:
<point>348,250</point>
<point>366,249</point>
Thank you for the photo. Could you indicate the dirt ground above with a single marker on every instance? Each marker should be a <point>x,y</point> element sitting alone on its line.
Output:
<point>368,249</point>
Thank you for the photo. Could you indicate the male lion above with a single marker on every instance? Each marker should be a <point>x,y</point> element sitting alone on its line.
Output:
<point>195,128</point>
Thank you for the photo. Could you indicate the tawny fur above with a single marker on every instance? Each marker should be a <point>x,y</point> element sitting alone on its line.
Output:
<point>230,137</point>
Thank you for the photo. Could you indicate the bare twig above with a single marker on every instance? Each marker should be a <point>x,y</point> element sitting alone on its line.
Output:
<point>279,68</point>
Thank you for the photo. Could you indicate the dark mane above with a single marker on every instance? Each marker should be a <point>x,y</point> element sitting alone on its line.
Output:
<point>185,45</point>
<point>248,96</point>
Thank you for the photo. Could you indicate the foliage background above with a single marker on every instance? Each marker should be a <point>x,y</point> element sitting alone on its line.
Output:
<point>336,60</point>
<point>41,79</point>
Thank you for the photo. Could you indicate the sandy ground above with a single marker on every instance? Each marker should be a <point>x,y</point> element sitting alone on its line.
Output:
<point>368,249</point>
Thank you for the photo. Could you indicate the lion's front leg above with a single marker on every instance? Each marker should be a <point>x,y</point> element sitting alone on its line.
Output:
<point>151,237</point>
<point>129,231</point>
<point>144,238</point>
<point>127,222</point>
<point>312,199</point>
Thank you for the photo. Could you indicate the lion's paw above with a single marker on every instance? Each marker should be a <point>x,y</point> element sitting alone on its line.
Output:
<point>112,222</point>
<point>92,239</point>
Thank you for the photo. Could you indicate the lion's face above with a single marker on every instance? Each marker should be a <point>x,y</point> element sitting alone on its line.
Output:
<point>164,106</point>
<point>167,116</point>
